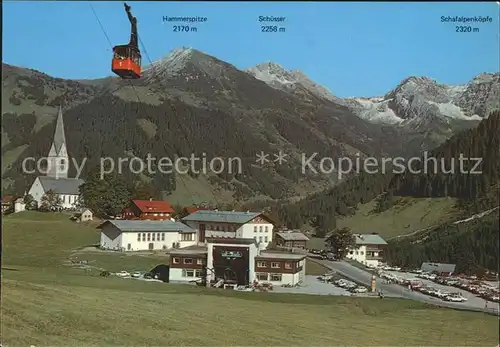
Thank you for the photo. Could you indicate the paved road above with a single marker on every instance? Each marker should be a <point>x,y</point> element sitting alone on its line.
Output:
<point>395,290</point>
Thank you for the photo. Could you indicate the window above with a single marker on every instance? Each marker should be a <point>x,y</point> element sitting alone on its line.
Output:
<point>149,237</point>
<point>350,252</point>
<point>361,253</point>
<point>275,265</point>
<point>143,236</point>
<point>266,239</point>
<point>198,273</point>
<point>187,273</point>
<point>255,229</point>
<point>260,229</point>
<point>218,228</point>
<point>261,276</point>
<point>266,229</point>
<point>261,264</point>
<point>176,261</point>
<point>158,237</point>
<point>357,252</point>
<point>187,237</point>
<point>64,198</point>
<point>288,265</point>
<point>153,237</point>
<point>275,277</point>
<point>260,238</point>
<point>163,236</point>
<point>139,237</point>
<point>200,261</point>
<point>188,261</point>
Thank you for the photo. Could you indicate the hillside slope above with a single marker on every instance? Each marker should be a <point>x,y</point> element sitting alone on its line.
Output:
<point>472,245</point>
<point>192,103</point>
<point>476,192</point>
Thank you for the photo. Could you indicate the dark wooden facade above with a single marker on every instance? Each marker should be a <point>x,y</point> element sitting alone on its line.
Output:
<point>290,243</point>
<point>195,261</point>
<point>269,264</point>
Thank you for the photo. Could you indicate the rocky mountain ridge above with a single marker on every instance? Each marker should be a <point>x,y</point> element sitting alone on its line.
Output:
<point>186,103</point>
<point>414,103</point>
<point>190,101</point>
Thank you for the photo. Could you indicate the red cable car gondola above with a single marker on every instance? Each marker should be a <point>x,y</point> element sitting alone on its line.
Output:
<point>127,58</point>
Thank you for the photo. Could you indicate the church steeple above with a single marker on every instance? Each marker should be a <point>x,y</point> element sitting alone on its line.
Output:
<point>58,160</point>
<point>59,138</point>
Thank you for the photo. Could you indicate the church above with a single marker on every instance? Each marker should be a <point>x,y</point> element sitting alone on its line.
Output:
<point>56,175</point>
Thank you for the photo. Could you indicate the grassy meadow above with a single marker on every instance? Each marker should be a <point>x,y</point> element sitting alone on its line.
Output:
<point>406,216</point>
<point>45,302</point>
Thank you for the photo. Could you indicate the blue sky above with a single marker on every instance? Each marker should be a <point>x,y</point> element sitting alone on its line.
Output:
<point>356,49</point>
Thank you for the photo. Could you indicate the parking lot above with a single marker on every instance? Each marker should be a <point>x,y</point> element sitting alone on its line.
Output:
<point>473,301</point>
<point>395,290</point>
<point>314,286</point>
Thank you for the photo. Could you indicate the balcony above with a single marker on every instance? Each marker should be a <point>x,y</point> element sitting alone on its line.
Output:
<point>373,257</point>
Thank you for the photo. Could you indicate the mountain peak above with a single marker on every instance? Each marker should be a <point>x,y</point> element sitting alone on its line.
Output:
<point>185,61</point>
<point>278,77</point>
<point>486,77</point>
<point>173,62</point>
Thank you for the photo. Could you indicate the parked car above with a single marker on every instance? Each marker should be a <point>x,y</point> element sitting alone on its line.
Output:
<point>325,278</point>
<point>442,294</point>
<point>455,297</point>
<point>136,274</point>
<point>123,274</point>
<point>360,289</point>
<point>429,290</point>
<point>339,282</point>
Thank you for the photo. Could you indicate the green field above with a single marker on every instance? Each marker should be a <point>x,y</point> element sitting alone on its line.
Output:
<point>408,215</point>
<point>45,302</point>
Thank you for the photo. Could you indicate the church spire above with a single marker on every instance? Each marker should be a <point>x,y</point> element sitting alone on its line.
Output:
<point>59,137</point>
<point>58,159</point>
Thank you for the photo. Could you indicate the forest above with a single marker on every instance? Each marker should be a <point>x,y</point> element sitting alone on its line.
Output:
<point>476,192</point>
<point>222,112</point>
<point>471,246</point>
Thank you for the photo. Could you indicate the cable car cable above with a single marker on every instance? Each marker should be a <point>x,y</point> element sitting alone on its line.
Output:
<point>184,133</point>
<point>136,93</point>
<point>138,98</point>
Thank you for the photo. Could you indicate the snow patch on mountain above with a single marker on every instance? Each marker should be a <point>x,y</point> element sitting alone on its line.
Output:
<point>453,111</point>
<point>376,110</point>
<point>421,101</point>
